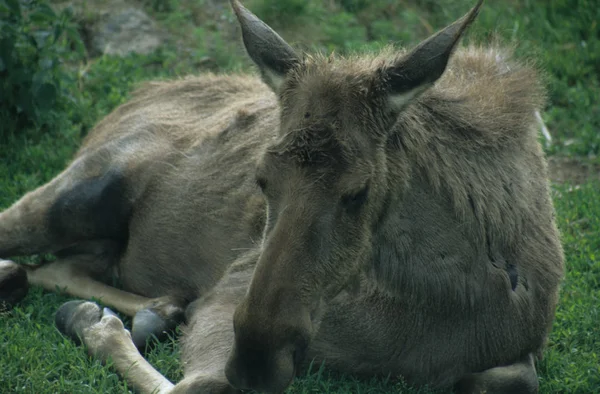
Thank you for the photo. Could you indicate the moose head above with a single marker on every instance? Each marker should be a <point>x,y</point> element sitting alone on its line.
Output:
<point>326,180</point>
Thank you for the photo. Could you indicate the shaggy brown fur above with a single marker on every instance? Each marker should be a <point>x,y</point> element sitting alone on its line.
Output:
<point>359,215</point>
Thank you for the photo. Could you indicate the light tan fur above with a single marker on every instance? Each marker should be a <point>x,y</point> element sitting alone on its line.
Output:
<point>403,226</point>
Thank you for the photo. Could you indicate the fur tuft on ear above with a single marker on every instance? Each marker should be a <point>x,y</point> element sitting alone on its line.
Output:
<point>414,73</point>
<point>273,56</point>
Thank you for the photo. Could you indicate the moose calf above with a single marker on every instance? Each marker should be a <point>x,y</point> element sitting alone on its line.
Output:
<point>387,214</point>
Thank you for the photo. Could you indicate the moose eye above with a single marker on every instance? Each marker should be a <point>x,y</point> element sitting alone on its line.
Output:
<point>353,201</point>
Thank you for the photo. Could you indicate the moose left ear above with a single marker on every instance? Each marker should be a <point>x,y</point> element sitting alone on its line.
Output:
<point>414,73</point>
<point>273,56</point>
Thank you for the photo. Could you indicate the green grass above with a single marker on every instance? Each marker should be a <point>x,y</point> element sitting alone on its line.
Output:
<point>562,37</point>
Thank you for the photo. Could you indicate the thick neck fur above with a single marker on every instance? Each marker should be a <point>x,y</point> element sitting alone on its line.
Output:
<point>467,176</point>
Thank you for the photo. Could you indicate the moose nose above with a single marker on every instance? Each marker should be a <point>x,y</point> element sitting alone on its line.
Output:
<point>249,369</point>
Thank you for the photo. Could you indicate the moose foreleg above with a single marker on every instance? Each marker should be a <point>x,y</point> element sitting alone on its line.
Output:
<point>207,340</point>
<point>208,337</point>
<point>105,337</point>
<point>150,316</point>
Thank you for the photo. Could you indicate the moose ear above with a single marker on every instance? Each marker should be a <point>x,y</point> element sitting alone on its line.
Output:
<point>415,72</point>
<point>273,56</point>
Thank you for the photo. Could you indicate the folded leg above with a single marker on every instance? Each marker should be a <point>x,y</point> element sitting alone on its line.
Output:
<point>76,272</point>
<point>106,338</point>
<point>206,344</point>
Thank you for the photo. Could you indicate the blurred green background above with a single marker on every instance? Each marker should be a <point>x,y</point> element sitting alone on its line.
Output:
<point>55,84</point>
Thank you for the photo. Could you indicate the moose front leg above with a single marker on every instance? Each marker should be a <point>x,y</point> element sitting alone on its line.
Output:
<point>105,337</point>
<point>208,337</point>
<point>206,343</point>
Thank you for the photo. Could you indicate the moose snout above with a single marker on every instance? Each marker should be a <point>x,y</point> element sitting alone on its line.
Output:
<point>262,370</point>
<point>268,348</point>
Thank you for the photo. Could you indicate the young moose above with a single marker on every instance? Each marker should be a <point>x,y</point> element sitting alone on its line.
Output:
<point>387,214</point>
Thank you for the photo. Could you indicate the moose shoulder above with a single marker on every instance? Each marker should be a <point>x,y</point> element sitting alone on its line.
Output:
<point>386,214</point>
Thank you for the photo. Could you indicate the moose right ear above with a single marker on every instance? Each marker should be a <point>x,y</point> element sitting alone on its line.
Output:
<point>414,73</point>
<point>273,56</point>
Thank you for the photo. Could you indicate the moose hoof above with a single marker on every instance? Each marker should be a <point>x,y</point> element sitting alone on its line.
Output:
<point>74,316</point>
<point>157,320</point>
<point>13,284</point>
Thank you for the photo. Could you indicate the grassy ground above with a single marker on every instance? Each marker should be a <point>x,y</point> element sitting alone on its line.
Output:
<point>563,37</point>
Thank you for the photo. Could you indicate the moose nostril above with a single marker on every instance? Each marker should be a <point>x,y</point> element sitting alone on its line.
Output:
<point>298,354</point>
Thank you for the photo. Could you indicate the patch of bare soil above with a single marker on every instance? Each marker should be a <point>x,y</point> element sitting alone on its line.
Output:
<point>573,171</point>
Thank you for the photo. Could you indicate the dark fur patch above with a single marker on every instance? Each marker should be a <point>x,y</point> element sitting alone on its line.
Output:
<point>93,208</point>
